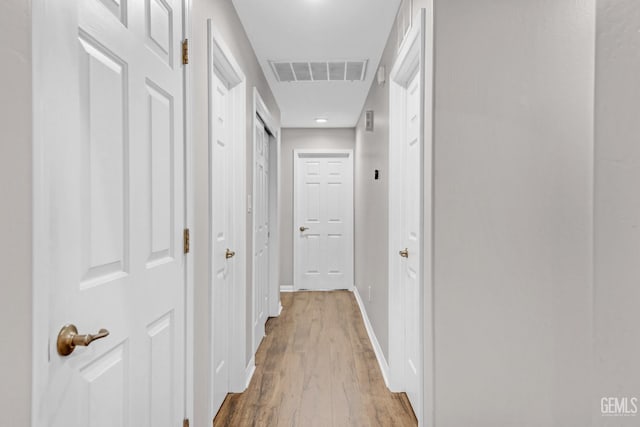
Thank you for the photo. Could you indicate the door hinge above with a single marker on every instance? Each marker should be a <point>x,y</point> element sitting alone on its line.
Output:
<point>185,51</point>
<point>185,240</point>
<point>185,423</point>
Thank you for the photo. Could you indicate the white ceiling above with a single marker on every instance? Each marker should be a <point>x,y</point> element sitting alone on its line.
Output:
<point>318,30</point>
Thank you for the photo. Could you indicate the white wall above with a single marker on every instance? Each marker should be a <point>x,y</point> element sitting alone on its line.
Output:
<point>513,212</point>
<point>228,25</point>
<point>293,139</point>
<point>617,206</point>
<point>16,213</point>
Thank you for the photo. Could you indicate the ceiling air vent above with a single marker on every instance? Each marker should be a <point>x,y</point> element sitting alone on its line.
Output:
<point>284,71</point>
<point>319,71</point>
<point>337,71</point>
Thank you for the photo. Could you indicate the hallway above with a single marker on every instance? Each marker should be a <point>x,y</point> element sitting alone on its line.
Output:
<point>316,367</point>
<point>459,178</point>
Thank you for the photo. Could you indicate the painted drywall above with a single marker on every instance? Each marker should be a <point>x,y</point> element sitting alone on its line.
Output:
<point>514,88</point>
<point>293,139</point>
<point>372,200</point>
<point>617,207</point>
<point>227,24</point>
<point>16,213</point>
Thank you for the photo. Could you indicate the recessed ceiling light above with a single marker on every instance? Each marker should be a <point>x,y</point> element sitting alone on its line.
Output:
<point>321,120</point>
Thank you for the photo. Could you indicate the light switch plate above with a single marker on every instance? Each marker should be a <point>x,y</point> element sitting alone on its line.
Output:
<point>368,120</point>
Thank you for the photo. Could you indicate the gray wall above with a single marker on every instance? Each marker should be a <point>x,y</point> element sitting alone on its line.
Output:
<point>293,139</point>
<point>617,206</point>
<point>228,25</point>
<point>513,212</point>
<point>372,200</point>
<point>15,215</point>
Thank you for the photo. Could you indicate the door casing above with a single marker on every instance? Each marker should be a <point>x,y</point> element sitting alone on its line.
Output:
<point>189,216</point>
<point>415,52</point>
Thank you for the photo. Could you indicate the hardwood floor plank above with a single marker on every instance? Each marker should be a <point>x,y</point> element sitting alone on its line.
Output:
<point>316,367</point>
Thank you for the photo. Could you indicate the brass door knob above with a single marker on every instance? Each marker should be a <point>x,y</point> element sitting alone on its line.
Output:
<point>303,228</point>
<point>404,253</point>
<point>68,339</point>
<point>229,254</point>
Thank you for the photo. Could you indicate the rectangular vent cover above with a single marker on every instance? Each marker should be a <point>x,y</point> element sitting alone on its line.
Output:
<point>319,71</point>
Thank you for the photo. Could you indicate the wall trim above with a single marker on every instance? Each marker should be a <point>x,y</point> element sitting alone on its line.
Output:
<point>286,288</point>
<point>377,349</point>
<point>249,371</point>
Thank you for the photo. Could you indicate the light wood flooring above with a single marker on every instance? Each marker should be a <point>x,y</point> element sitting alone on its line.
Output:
<point>316,367</point>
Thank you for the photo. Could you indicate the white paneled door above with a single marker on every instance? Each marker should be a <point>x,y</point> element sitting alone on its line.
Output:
<point>323,219</point>
<point>410,255</point>
<point>222,228</point>
<point>112,120</point>
<point>410,217</point>
<point>261,232</point>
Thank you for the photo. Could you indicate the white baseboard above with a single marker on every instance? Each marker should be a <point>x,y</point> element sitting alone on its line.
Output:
<point>248,373</point>
<point>280,310</point>
<point>286,288</point>
<point>384,366</point>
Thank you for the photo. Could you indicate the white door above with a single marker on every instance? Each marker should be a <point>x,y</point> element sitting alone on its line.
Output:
<point>222,225</point>
<point>410,265</point>
<point>261,232</point>
<point>112,97</point>
<point>323,220</point>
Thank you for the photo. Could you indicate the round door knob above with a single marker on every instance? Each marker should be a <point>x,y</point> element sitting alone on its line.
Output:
<point>404,253</point>
<point>229,254</point>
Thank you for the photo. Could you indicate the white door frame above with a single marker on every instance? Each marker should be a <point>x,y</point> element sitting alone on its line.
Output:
<point>274,307</point>
<point>189,217</point>
<point>221,59</point>
<point>415,53</point>
<point>42,210</point>
<point>296,222</point>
